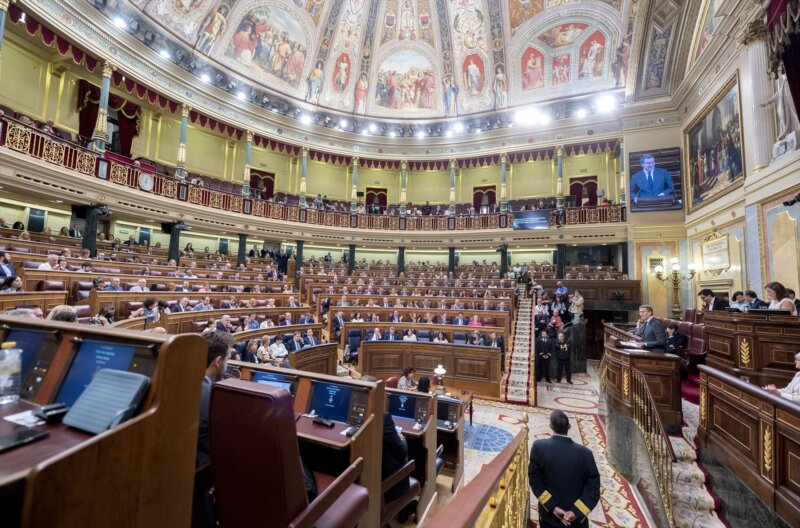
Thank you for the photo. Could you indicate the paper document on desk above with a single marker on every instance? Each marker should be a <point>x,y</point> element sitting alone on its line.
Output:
<point>631,344</point>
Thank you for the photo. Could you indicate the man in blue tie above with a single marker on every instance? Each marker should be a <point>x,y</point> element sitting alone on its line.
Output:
<point>651,181</point>
<point>310,339</point>
<point>7,269</point>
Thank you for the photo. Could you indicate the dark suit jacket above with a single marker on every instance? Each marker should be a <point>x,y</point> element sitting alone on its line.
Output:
<point>676,342</point>
<point>11,268</point>
<point>758,303</point>
<point>392,337</point>
<point>719,305</point>
<point>662,183</point>
<point>294,346</point>
<point>75,234</point>
<point>460,321</point>
<point>544,348</point>
<point>477,342</point>
<point>562,349</point>
<point>178,308</point>
<point>563,474</point>
<point>395,456</point>
<point>653,336</point>
<point>308,342</point>
<point>249,357</point>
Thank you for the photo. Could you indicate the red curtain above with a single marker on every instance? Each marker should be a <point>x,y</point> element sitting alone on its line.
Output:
<point>576,190</point>
<point>791,62</point>
<point>262,181</point>
<point>376,195</point>
<point>489,192</point>
<point>584,188</point>
<point>128,114</point>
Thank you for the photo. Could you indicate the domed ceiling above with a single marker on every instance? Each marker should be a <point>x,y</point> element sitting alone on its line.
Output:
<point>408,59</point>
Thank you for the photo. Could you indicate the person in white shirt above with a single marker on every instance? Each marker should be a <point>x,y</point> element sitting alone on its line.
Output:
<point>141,286</point>
<point>268,323</point>
<point>51,264</point>
<point>792,390</point>
<point>277,350</point>
<point>410,335</point>
<point>407,381</point>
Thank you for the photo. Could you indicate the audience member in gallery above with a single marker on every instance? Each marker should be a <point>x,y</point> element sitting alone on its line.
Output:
<point>792,390</point>
<point>779,299</point>
<point>576,306</point>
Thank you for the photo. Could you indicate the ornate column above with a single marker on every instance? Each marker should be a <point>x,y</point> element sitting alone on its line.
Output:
<point>3,15</point>
<point>303,173</point>
<point>403,175</point>
<point>100,135</point>
<point>560,178</point>
<point>755,38</point>
<point>354,188</point>
<point>248,159</point>
<point>503,177</point>
<point>452,186</point>
<point>180,172</point>
<point>622,177</point>
<point>451,260</point>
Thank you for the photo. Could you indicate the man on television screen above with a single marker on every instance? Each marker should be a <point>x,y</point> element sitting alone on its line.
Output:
<point>651,182</point>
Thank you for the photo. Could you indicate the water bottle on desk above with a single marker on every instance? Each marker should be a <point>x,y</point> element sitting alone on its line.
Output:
<point>10,372</point>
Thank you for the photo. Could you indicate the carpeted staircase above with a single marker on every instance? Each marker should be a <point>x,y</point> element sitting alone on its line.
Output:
<point>690,389</point>
<point>693,503</point>
<point>517,381</point>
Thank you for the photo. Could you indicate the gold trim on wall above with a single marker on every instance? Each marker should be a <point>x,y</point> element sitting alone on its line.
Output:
<point>715,237</point>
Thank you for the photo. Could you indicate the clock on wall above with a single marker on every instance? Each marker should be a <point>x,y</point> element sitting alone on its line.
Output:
<point>146,181</point>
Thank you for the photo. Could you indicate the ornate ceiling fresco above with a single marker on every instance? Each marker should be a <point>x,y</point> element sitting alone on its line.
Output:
<point>408,59</point>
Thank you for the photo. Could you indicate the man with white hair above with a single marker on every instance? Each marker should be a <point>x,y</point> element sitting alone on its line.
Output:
<point>141,286</point>
<point>51,264</point>
<point>792,390</point>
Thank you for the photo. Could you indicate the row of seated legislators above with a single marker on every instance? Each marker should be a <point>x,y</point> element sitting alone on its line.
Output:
<point>423,304</point>
<point>339,319</point>
<point>474,338</point>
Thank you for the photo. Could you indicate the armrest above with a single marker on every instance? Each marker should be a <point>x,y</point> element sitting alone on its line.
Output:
<point>439,451</point>
<point>314,511</point>
<point>397,476</point>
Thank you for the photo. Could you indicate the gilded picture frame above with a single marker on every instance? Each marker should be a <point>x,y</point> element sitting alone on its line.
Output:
<point>715,253</point>
<point>714,161</point>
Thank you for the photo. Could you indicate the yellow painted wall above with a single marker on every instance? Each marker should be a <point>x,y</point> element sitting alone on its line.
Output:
<point>433,186</point>
<point>327,179</point>
<point>477,177</point>
<point>22,85</point>
<point>269,161</point>
<point>382,179</point>
<point>588,165</point>
<point>535,178</point>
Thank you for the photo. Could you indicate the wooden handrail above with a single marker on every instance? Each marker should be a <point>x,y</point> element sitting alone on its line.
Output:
<point>468,505</point>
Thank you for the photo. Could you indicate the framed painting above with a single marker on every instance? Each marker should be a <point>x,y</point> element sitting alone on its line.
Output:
<point>714,147</point>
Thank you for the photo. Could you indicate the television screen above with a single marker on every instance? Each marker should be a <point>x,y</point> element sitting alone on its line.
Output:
<point>655,183</point>
<point>330,400</point>
<point>91,357</point>
<point>274,379</point>
<point>30,341</point>
<point>443,407</point>
<point>539,219</point>
<point>402,405</point>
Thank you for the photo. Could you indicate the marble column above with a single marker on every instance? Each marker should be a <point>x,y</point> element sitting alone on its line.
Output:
<point>401,260</point>
<point>451,260</point>
<point>180,171</point>
<point>354,188</point>
<point>248,159</point>
<point>622,177</point>
<point>303,174</point>
<point>560,178</point>
<point>452,186</point>
<point>503,187</point>
<point>403,176</point>
<point>100,135</point>
<point>755,38</point>
<point>3,15</point>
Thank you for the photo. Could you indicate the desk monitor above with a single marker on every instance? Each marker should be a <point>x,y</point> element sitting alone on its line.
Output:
<point>274,379</point>
<point>338,402</point>
<point>447,409</point>
<point>407,406</point>
<point>92,356</point>
<point>39,347</point>
<point>767,311</point>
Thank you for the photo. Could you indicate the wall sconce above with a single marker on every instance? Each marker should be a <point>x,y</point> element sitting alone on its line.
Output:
<point>676,277</point>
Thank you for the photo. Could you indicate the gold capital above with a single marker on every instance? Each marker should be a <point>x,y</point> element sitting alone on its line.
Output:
<point>304,152</point>
<point>108,69</point>
<point>503,158</point>
<point>404,165</point>
<point>452,164</point>
<point>249,136</point>
<point>756,31</point>
<point>185,109</point>
<point>559,151</point>
<point>355,161</point>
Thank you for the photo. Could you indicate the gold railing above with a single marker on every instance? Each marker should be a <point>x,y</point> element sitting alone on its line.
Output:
<point>602,372</point>
<point>662,456</point>
<point>498,497</point>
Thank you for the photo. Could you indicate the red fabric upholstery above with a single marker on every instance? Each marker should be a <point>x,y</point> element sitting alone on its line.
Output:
<point>697,341</point>
<point>391,383</point>
<point>50,285</point>
<point>689,315</point>
<point>251,418</point>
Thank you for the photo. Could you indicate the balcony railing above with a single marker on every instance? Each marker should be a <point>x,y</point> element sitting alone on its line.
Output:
<point>36,144</point>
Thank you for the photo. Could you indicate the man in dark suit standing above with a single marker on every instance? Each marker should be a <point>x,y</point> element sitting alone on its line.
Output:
<point>563,476</point>
<point>650,331</point>
<point>711,303</point>
<point>651,182</point>
<point>544,351</point>
<point>563,354</point>
<point>338,323</point>
<point>7,269</point>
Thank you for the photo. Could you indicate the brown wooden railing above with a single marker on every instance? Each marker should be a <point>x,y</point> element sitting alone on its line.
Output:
<point>498,496</point>
<point>21,138</point>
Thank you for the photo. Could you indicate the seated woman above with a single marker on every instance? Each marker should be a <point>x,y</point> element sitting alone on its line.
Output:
<point>357,318</point>
<point>149,311</point>
<point>410,335</point>
<point>24,236</point>
<point>424,385</point>
<point>779,299</point>
<point>739,302</point>
<point>11,285</point>
<point>792,390</point>
<point>559,304</point>
<point>250,354</point>
<point>676,341</point>
<point>64,232</point>
<point>105,317</point>
<point>407,381</point>
<point>440,338</point>
<point>474,321</point>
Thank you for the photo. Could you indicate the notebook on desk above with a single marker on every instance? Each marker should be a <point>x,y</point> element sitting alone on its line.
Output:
<point>631,344</point>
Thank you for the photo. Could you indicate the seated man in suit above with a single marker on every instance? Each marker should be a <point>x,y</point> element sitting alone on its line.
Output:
<point>181,306</point>
<point>649,330</point>
<point>309,338</point>
<point>711,303</point>
<point>443,319</point>
<point>306,318</point>
<point>651,182</point>
<point>755,302</point>
<point>395,317</point>
<point>460,320</point>
<point>287,319</point>
<point>292,303</point>
<point>296,343</point>
<point>376,335</point>
<point>392,335</point>
<point>7,269</point>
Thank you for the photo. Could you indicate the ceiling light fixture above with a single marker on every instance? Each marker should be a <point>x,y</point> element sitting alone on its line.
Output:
<point>164,54</point>
<point>458,127</point>
<point>449,133</point>
<point>580,113</point>
<point>241,95</point>
<point>605,103</point>
<point>343,123</point>
<point>206,78</point>
<point>392,134</point>
<point>372,128</point>
<point>120,22</point>
<point>421,134</point>
<point>305,119</point>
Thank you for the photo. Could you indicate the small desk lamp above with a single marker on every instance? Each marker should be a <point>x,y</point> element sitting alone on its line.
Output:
<point>440,372</point>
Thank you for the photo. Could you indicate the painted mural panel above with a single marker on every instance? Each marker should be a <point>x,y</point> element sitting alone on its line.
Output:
<point>314,9</point>
<point>341,73</point>
<point>407,20</point>
<point>211,28</point>
<point>314,83</point>
<point>500,88</point>
<point>183,16</point>
<point>562,35</point>
<point>532,69</point>
<point>520,11</point>
<point>469,31</point>
<point>338,90</point>
<point>656,58</point>
<point>405,81</point>
<point>714,148</point>
<point>591,56</point>
<point>472,74</point>
<point>709,25</point>
<point>560,69</point>
<point>270,42</point>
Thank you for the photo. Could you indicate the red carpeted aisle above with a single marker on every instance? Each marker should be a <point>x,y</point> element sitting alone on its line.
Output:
<point>690,389</point>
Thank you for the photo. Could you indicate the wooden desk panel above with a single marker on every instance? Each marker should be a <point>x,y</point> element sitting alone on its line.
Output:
<point>476,369</point>
<point>45,299</point>
<point>121,299</point>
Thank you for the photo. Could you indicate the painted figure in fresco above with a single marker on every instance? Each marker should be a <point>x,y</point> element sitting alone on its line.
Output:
<point>782,99</point>
<point>428,87</point>
<point>362,87</point>
<point>450,97</point>
<point>314,83</point>
<point>341,74</point>
<point>211,27</point>
<point>294,63</point>
<point>561,69</point>
<point>500,88</point>
<point>533,76</point>
<point>473,78</point>
<point>621,64</point>
<point>589,63</point>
